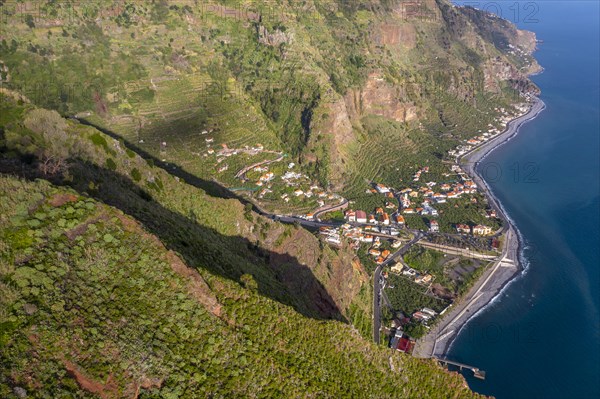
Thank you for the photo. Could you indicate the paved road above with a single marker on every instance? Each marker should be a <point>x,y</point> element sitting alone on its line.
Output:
<point>377,280</point>
<point>319,212</point>
<point>457,251</point>
<point>242,172</point>
<point>471,159</point>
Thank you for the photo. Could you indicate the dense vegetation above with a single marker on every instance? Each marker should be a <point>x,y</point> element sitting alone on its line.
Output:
<point>94,304</point>
<point>408,296</point>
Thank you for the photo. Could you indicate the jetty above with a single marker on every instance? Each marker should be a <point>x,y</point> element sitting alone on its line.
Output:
<point>476,372</point>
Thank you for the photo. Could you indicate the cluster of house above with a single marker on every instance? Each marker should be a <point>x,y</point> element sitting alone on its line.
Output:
<point>446,191</point>
<point>226,152</point>
<point>264,178</point>
<point>417,175</point>
<point>419,278</point>
<point>424,314</point>
<point>295,180</point>
<point>514,50</point>
<point>380,217</point>
<point>331,235</point>
<point>479,230</point>
<point>380,256</point>
<point>360,234</point>
<point>502,120</point>
<point>382,189</point>
<point>460,150</point>
<point>290,177</point>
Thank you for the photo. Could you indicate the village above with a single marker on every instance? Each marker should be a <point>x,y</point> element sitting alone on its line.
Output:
<point>409,220</point>
<point>493,131</point>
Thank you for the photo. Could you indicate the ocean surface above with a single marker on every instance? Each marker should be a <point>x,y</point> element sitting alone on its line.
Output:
<point>541,337</point>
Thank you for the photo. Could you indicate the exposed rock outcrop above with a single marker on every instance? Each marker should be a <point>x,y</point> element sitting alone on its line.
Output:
<point>400,35</point>
<point>275,38</point>
<point>379,97</point>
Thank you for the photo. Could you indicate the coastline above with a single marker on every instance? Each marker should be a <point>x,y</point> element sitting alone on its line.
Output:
<point>498,276</point>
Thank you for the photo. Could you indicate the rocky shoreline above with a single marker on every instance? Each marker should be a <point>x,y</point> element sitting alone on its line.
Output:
<point>439,339</point>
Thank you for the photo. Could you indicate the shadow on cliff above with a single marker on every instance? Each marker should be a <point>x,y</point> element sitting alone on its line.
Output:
<point>200,247</point>
<point>212,188</point>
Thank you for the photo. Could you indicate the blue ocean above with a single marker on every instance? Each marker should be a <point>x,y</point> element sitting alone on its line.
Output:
<point>541,337</point>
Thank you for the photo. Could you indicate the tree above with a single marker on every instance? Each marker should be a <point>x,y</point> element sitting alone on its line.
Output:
<point>55,150</point>
<point>29,21</point>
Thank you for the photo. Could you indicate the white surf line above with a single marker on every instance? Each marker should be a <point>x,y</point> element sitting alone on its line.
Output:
<point>444,336</point>
<point>474,299</point>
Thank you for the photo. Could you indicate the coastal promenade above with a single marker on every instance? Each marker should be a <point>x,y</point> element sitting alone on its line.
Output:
<point>503,270</point>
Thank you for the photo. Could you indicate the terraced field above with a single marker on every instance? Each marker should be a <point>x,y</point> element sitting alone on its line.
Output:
<point>170,123</point>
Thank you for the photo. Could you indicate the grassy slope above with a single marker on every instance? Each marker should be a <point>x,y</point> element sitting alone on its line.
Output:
<point>95,303</point>
<point>288,263</point>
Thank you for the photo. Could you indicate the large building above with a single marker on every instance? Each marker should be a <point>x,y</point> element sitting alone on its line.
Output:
<point>361,216</point>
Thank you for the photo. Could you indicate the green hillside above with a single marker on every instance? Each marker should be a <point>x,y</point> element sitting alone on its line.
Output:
<point>98,304</point>
<point>305,78</point>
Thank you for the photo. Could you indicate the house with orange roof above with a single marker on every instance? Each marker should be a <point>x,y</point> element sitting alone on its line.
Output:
<point>374,252</point>
<point>385,219</point>
<point>434,227</point>
<point>350,215</point>
<point>382,189</point>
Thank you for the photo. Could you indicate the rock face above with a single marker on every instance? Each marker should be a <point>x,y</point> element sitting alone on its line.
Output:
<point>339,283</point>
<point>379,97</point>
<point>499,70</point>
<point>340,134</point>
<point>274,39</point>
<point>403,35</point>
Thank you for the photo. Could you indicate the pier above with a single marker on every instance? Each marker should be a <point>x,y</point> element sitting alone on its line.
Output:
<point>476,372</point>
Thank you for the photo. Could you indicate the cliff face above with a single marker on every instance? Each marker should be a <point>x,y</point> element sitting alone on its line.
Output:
<point>421,53</point>
<point>280,66</point>
<point>378,97</point>
<point>154,290</point>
